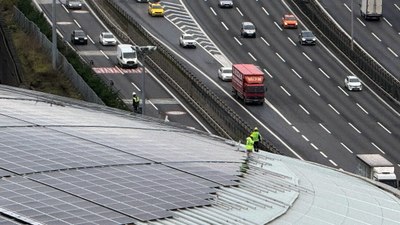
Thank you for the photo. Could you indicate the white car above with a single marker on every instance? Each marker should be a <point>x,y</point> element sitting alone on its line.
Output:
<point>225,3</point>
<point>225,73</point>
<point>352,83</point>
<point>187,40</point>
<point>107,38</point>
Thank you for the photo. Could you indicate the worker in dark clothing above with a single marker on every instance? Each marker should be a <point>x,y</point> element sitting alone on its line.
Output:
<point>135,102</point>
<point>256,138</point>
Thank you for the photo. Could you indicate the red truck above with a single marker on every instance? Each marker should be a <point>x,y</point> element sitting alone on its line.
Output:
<point>248,83</point>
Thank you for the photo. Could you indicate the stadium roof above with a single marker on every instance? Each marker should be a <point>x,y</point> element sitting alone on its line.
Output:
<point>69,162</point>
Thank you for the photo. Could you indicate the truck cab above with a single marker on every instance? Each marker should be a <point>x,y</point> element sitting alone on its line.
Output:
<point>376,167</point>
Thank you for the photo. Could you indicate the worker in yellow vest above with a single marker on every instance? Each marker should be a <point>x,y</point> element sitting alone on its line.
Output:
<point>135,102</point>
<point>256,138</point>
<point>249,145</point>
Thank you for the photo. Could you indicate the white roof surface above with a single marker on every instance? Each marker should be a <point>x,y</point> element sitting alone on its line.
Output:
<point>70,162</point>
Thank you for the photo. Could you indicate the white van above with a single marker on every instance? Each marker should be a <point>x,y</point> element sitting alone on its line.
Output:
<point>127,56</point>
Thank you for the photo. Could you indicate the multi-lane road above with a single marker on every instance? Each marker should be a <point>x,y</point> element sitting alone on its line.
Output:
<point>379,38</point>
<point>161,102</point>
<point>308,114</point>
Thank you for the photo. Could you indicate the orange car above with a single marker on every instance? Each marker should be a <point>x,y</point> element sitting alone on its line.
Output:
<point>289,21</point>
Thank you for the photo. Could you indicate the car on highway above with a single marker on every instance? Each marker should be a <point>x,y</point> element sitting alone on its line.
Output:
<point>187,40</point>
<point>73,4</point>
<point>353,83</point>
<point>78,37</point>
<point>307,37</point>
<point>248,30</point>
<point>107,38</point>
<point>156,9</point>
<point>225,73</point>
<point>225,3</point>
<point>142,0</point>
<point>289,21</point>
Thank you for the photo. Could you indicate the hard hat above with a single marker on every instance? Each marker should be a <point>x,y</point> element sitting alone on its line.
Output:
<point>255,128</point>
<point>133,93</point>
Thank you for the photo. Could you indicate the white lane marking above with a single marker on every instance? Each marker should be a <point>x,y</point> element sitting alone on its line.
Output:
<point>283,60</point>
<point>212,10</point>
<point>373,34</point>
<point>266,12</point>
<point>237,41</point>
<point>137,88</point>
<point>285,91</point>
<point>254,58</point>
<point>323,154</point>
<point>91,40</point>
<point>291,41</point>
<point>305,138</point>
<point>347,7</point>
<point>362,23</point>
<point>104,54</point>
<point>76,22</point>
<point>307,56</point>
<point>394,53</point>
<point>387,21</point>
<point>333,163</point>
<point>314,146</point>
<point>304,109</point>
<point>294,128</point>
<point>366,112</point>
<point>277,25</point>
<point>387,130</point>
<point>354,128</point>
<point>295,72</point>
<point>223,24</point>
<point>323,72</point>
<point>333,108</point>
<point>343,90</point>
<point>326,129</point>
<point>397,6</point>
<point>268,73</point>
<point>65,8</point>
<point>347,148</point>
<point>314,90</point>
<point>240,12</point>
<point>265,41</point>
<point>378,148</point>
<point>280,114</point>
<point>151,103</point>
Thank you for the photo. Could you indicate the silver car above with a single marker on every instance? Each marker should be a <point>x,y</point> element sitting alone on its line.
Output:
<point>248,30</point>
<point>225,73</point>
<point>225,3</point>
<point>73,4</point>
<point>187,40</point>
<point>352,83</point>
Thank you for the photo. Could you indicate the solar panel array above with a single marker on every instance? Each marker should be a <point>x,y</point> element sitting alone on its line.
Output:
<point>144,192</point>
<point>35,149</point>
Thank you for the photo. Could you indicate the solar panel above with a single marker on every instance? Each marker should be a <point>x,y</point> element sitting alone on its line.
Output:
<point>146,198</point>
<point>36,202</point>
<point>40,149</point>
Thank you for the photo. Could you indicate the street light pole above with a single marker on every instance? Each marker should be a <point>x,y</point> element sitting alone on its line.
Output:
<point>54,35</point>
<point>352,26</point>
<point>143,51</point>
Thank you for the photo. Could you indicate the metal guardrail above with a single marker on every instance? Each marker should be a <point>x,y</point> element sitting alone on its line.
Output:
<point>166,65</point>
<point>330,32</point>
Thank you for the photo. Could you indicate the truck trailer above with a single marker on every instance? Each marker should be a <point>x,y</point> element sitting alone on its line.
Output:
<point>248,83</point>
<point>371,9</point>
<point>376,167</point>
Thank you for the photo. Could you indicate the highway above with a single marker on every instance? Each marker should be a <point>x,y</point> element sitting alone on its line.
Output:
<point>379,38</point>
<point>314,114</point>
<point>161,102</point>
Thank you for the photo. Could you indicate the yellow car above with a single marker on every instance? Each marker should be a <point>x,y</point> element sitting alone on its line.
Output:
<point>155,9</point>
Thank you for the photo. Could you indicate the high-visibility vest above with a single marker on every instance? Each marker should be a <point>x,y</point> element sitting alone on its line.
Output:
<point>136,99</point>
<point>249,144</point>
<point>255,135</point>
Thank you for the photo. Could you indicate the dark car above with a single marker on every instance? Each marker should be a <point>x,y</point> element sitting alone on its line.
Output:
<point>307,37</point>
<point>78,37</point>
<point>73,4</point>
